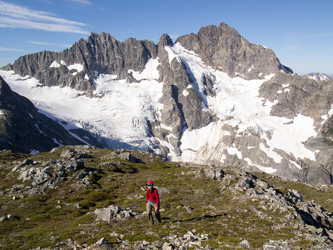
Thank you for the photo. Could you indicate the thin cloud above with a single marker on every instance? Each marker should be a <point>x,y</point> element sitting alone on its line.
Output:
<point>50,44</point>
<point>10,49</point>
<point>16,16</point>
<point>296,36</point>
<point>317,35</point>
<point>81,2</point>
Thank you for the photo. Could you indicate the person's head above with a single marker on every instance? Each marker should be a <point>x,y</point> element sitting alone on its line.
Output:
<point>150,185</point>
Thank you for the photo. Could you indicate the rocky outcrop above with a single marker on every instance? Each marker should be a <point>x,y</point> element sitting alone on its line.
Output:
<point>41,178</point>
<point>214,174</point>
<point>306,214</point>
<point>233,192</point>
<point>6,217</point>
<point>190,239</point>
<point>46,175</point>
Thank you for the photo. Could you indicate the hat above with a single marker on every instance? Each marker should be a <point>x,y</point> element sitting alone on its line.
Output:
<point>150,183</point>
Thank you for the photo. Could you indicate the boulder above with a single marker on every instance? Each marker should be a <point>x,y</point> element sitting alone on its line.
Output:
<point>114,212</point>
<point>128,157</point>
<point>215,174</point>
<point>36,175</point>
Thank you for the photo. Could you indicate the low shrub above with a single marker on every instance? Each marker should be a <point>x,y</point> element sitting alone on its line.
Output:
<point>96,196</point>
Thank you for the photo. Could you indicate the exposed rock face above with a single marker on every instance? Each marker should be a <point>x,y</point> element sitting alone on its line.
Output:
<point>71,167</point>
<point>223,48</point>
<point>309,215</point>
<point>117,58</point>
<point>179,112</point>
<point>23,128</point>
<point>99,54</point>
<point>298,95</point>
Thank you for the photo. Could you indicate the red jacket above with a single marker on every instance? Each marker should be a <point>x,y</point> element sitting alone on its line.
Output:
<point>153,197</point>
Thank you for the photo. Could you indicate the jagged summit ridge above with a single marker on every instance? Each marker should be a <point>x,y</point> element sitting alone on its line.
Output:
<point>224,48</point>
<point>221,47</point>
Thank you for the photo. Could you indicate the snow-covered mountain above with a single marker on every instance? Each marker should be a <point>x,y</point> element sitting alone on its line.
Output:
<point>319,76</point>
<point>210,98</point>
<point>24,129</point>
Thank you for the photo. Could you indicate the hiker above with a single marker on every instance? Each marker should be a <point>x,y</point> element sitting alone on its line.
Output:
<point>152,201</point>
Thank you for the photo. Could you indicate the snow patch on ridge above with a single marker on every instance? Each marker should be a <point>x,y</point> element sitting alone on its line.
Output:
<point>54,64</point>
<point>78,67</point>
<point>149,73</point>
<point>185,93</point>
<point>234,151</point>
<point>194,63</point>
<point>268,170</point>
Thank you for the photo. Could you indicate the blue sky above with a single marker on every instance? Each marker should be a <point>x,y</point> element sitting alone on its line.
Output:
<point>300,32</point>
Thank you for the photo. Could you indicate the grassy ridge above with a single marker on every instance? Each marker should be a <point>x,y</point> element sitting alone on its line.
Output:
<point>189,201</point>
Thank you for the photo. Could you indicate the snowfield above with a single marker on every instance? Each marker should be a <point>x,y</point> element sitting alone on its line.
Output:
<point>239,99</point>
<point>118,116</point>
<point>119,112</point>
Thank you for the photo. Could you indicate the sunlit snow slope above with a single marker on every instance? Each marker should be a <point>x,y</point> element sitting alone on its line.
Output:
<point>238,105</point>
<point>118,114</point>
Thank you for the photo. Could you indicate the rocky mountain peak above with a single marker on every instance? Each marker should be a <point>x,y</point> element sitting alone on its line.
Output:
<point>222,47</point>
<point>165,40</point>
<point>217,31</point>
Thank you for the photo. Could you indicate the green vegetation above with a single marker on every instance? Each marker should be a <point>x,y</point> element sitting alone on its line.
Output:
<point>188,201</point>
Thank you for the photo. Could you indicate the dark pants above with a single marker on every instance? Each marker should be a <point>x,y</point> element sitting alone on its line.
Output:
<point>151,207</point>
